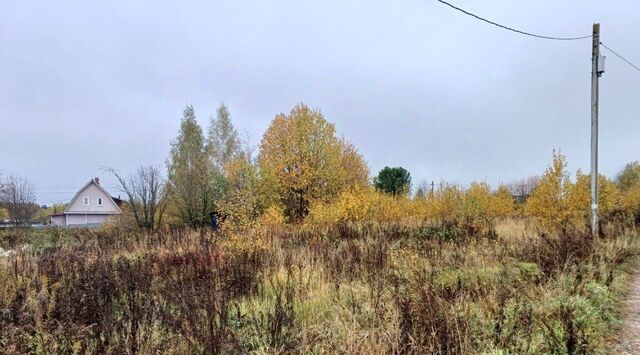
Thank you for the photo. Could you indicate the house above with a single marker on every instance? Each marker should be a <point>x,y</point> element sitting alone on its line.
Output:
<point>90,206</point>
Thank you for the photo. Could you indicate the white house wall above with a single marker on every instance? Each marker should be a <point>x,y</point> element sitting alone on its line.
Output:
<point>82,219</point>
<point>93,192</point>
<point>97,218</point>
<point>58,220</point>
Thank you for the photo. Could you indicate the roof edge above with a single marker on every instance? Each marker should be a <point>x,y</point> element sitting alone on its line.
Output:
<point>92,181</point>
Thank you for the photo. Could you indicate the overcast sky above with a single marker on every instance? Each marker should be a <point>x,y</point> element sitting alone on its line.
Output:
<point>410,83</point>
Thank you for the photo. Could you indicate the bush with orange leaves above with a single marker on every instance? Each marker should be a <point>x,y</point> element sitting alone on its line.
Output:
<point>272,217</point>
<point>367,204</point>
<point>476,207</point>
<point>360,204</point>
<point>630,203</point>
<point>609,197</point>
<point>482,206</point>
<point>446,204</point>
<point>559,204</point>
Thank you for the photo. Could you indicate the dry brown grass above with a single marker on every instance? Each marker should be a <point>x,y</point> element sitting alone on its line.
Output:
<point>407,287</point>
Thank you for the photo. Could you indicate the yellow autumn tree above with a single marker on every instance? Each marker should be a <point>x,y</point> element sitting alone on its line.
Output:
<point>365,204</point>
<point>548,204</point>
<point>241,204</point>
<point>446,204</point>
<point>628,181</point>
<point>579,197</point>
<point>482,206</point>
<point>629,176</point>
<point>503,204</point>
<point>353,205</point>
<point>478,199</point>
<point>355,171</point>
<point>630,202</point>
<point>302,162</point>
<point>477,205</point>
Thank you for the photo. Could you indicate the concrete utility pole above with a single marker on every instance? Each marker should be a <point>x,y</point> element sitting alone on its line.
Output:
<point>597,68</point>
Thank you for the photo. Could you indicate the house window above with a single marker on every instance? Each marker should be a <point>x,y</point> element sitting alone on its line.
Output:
<point>85,201</point>
<point>99,201</point>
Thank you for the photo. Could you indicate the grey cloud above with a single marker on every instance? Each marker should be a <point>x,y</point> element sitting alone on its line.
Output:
<point>411,83</point>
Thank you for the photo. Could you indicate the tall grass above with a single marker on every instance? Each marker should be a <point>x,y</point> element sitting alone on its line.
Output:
<point>346,288</point>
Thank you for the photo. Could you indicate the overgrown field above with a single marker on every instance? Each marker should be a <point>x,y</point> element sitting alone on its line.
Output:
<point>349,288</point>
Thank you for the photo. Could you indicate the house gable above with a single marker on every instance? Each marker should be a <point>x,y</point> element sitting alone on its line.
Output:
<point>88,199</point>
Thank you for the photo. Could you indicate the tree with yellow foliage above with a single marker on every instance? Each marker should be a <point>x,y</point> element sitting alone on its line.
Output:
<point>302,162</point>
<point>481,206</point>
<point>446,204</point>
<point>354,167</point>
<point>558,204</point>
<point>548,203</point>
<point>477,201</point>
<point>628,181</point>
<point>630,202</point>
<point>579,199</point>
<point>240,203</point>
<point>629,176</point>
<point>503,205</point>
<point>475,208</point>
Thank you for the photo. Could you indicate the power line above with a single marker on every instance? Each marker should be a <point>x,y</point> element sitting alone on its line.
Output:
<point>510,28</point>
<point>620,56</point>
<point>56,192</point>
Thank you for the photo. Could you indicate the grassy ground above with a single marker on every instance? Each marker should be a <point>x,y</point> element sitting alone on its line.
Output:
<point>366,288</point>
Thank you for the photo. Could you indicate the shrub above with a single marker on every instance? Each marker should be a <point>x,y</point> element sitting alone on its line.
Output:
<point>387,275</point>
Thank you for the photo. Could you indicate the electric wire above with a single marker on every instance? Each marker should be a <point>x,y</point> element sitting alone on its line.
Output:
<point>620,56</point>
<point>513,29</point>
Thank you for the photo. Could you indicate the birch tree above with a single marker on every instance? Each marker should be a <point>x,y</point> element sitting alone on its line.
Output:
<point>193,184</point>
<point>223,143</point>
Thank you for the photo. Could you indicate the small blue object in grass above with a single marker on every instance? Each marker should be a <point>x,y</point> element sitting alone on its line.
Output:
<point>214,221</point>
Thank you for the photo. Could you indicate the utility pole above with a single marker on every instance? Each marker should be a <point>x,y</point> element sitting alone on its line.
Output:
<point>432,187</point>
<point>597,68</point>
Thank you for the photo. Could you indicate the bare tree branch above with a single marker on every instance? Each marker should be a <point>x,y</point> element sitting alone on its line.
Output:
<point>145,190</point>
<point>18,194</point>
